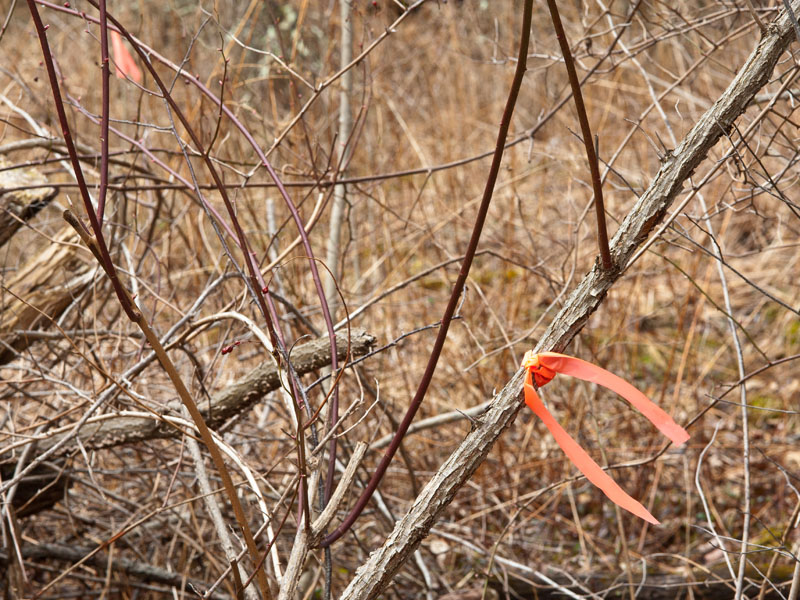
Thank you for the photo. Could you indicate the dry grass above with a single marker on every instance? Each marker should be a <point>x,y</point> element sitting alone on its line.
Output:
<point>431,93</point>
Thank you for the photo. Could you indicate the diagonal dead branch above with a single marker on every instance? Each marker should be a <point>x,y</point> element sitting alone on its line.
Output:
<point>234,400</point>
<point>303,541</point>
<point>50,281</point>
<point>325,517</point>
<point>651,207</point>
<point>20,205</point>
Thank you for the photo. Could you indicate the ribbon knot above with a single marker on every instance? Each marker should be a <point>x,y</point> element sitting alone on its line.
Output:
<point>542,374</point>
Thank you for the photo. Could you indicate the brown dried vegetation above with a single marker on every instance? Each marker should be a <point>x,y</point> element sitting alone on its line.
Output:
<point>426,104</point>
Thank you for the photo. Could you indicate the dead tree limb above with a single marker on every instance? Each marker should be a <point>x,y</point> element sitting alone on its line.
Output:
<point>20,205</point>
<point>376,573</point>
<point>234,400</point>
<point>46,285</point>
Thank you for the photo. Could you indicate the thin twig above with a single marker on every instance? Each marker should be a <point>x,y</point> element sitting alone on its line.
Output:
<point>215,513</point>
<point>105,73</point>
<point>732,324</point>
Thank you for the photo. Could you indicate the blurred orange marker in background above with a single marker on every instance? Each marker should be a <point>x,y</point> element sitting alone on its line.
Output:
<point>542,367</point>
<point>124,64</point>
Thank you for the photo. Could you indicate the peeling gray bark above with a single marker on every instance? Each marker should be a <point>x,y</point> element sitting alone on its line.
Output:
<point>19,206</point>
<point>45,285</point>
<point>376,573</point>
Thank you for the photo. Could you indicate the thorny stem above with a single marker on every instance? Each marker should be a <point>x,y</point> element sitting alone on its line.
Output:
<point>103,256</point>
<point>586,133</point>
<point>457,288</point>
<point>520,138</point>
<point>304,516</point>
<point>105,74</point>
<point>213,450</point>
<point>99,248</point>
<point>188,402</point>
<point>255,275</point>
<point>255,281</point>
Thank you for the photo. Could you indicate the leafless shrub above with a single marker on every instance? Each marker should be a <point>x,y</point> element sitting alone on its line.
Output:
<point>700,310</point>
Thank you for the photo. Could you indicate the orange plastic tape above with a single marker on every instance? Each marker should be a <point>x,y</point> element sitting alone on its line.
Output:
<point>124,64</point>
<point>543,367</point>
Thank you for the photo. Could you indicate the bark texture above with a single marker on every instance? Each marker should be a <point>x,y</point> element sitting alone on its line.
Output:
<point>18,206</point>
<point>45,285</point>
<point>376,573</point>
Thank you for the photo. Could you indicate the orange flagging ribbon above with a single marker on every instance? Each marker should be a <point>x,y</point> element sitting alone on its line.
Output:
<point>543,367</point>
<point>124,64</point>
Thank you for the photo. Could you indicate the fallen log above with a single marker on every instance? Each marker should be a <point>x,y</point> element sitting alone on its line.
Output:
<point>112,429</point>
<point>102,562</point>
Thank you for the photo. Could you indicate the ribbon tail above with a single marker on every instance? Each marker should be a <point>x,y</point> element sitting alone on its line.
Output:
<point>124,63</point>
<point>581,459</point>
<point>569,365</point>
